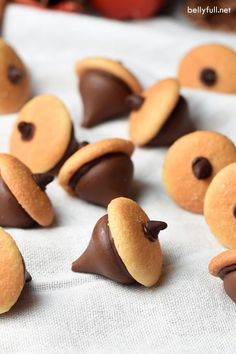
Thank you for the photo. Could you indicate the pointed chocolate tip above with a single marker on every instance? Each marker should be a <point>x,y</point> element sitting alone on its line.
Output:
<point>135,102</point>
<point>26,130</point>
<point>43,179</point>
<point>152,229</point>
<point>28,277</point>
<point>202,168</point>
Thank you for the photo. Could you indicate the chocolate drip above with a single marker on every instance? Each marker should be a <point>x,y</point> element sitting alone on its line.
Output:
<point>14,74</point>
<point>202,168</point>
<point>208,76</point>
<point>135,102</point>
<point>104,179</point>
<point>104,96</point>
<point>11,212</point>
<point>27,130</point>
<point>101,256</point>
<point>43,179</point>
<point>177,125</point>
<point>153,228</point>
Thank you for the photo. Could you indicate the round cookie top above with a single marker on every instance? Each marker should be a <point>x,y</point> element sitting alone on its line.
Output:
<point>111,66</point>
<point>41,134</point>
<point>159,102</point>
<point>141,256</point>
<point>222,260</point>
<point>220,206</point>
<point>23,186</point>
<point>89,153</point>
<point>14,84</point>
<point>211,67</point>
<point>191,163</point>
<point>12,272</point>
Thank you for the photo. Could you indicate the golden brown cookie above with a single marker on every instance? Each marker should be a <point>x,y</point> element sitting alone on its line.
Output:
<point>209,66</point>
<point>23,201</point>
<point>224,267</point>
<point>159,115</point>
<point>124,246</point>
<point>220,206</point>
<point>191,163</point>
<point>99,172</point>
<point>104,86</point>
<point>14,80</point>
<point>13,274</point>
<point>43,136</point>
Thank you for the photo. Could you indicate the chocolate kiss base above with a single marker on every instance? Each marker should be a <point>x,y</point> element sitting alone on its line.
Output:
<point>72,147</point>
<point>230,285</point>
<point>104,179</point>
<point>11,212</point>
<point>177,125</point>
<point>101,256</point>
<point>104,96</point>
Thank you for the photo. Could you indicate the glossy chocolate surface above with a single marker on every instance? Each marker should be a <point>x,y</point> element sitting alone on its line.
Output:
<point>104,96</point>
<point>177,125</point>
<point>11,212</point>
<point>104,179</point>
<point>101,256</point>
<point>201,167</point>
<point>230,284</point>
<point>14,74</point>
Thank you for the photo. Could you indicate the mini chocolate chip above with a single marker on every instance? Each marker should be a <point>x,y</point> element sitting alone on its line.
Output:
<point>27,130</point>
<point>201,167</point>
<point>208,76</point>
<point>135,102</point>
<point>14,74</point>
<point>43,179</point>
<point>152,229</point>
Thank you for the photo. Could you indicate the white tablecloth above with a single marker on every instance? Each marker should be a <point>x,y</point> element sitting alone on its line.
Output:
<point>66,312</point>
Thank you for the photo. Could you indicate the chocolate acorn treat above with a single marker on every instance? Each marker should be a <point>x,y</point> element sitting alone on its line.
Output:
<point>104,85</point>
<point>23,201</point>
<point>99,172</point>
<point>224,267</point>
<point>124,246</point>
<point>14,82</point>
<point>210,67</point>
<point>190,165</point>
<point>159,115</point>
<point>220,206</point>
<point>13,273</point>
<point>43,135</point>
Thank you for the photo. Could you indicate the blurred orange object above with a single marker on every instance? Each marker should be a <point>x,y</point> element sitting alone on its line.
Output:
<point>128,9</point>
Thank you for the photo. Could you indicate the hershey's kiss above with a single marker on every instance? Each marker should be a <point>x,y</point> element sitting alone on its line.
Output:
<point>228,275</point>
<point>43,179</point>
<point>101,256</point>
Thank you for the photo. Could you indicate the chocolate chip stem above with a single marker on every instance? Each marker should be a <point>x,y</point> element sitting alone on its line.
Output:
<point>202,168</point>
<point>135,102</point>
<point>152,229</point>
<point>27,130</point>
<point>43,179</point>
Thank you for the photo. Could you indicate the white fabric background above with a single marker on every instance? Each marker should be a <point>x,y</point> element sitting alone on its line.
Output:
<point>66,312</point>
